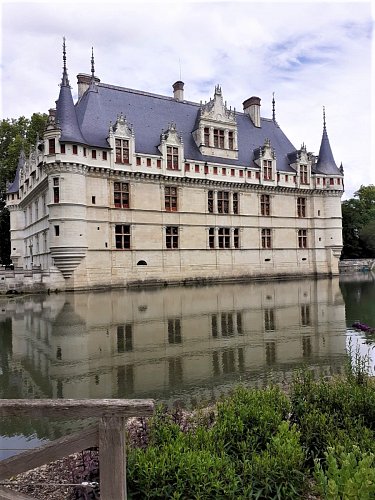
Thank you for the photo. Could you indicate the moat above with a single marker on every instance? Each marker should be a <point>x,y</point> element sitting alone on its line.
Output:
<point>178,345</point>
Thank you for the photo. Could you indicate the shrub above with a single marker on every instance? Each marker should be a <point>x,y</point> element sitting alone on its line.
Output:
<point>177,472</point>
<point>349,475</point>
<point>248,419</point>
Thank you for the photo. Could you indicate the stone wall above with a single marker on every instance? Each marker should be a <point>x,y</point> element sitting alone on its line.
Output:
<point>354,265</point>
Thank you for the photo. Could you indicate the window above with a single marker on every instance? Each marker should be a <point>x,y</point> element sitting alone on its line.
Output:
<point>224,171</point>
<point>301,207</point>
<point>37,210</point>
<point>84,151</point>
<point>172,158</point>
<point>210,202</point>
<point>236,238</point>
<point>187,167</point>
<point>223,202</point>
<point>170,197</point>
<point>206,169</point>
<point>235,203</point>
<point>171,237</point>
<point>206,136</point>
<point>211,237</point>
<point>286,178</point>
<point>267,170</point>
<point>230,140</point>
<point>232,172</point>
<point>93,200</point>
<point>148,162</point>
<point>302,238</point>
<point>56,190</point>
<point>57,230</point>
<point>121,194</point>
<point>122,151</point>
<point>331,181</point>
<point>215,170</point>
<point>197,169</point>
<point>62,148</point>
<point>219,138</point>
<point>265,204</point>
<point>104,154</point>
<point>224,237</point>
<point>51,146</point>
<point>303,174</point>
<point>75,149</point>
<point>139,161</point>
<point>266,238</point>
<point>122,236</point>
<point>93,154</point>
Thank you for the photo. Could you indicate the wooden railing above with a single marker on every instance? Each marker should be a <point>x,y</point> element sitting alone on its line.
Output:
<point>108,434</point>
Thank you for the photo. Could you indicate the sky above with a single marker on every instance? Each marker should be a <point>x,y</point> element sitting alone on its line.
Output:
<point>309,54</point>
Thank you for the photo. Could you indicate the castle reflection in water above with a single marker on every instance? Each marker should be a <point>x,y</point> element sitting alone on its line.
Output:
<point>176,343</point>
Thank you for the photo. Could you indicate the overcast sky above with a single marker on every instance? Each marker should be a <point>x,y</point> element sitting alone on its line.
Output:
<point>309,54</point>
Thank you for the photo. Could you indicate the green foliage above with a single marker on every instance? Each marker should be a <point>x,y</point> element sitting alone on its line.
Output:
<point>347,474</point>
<point>339,411</point>
<point>358,217</point>
<point>246,421</point>
<point>250,451</point>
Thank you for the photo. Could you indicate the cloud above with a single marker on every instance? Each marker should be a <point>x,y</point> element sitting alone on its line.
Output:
<point>310,54</point>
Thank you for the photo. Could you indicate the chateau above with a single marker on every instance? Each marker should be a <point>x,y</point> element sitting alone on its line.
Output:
<point>128,187</point>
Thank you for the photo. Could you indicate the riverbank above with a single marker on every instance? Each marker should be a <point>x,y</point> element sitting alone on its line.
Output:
<point>256,442</point>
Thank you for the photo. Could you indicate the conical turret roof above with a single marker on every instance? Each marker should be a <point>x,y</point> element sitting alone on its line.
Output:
<point>66,117</point>
<point>326,163</point>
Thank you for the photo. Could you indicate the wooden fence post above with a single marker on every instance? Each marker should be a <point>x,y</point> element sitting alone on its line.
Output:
<point>112,458</point>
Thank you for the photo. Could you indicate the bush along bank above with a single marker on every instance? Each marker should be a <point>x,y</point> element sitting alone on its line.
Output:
<point>316,442</point>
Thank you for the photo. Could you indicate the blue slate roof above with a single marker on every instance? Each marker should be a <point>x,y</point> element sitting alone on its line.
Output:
<point>150,114</point>
<point>326,163</point>
<point>66,113</point>
<point>14,186</point>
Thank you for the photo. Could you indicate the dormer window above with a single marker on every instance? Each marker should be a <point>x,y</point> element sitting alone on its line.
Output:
<point>216,130</point>
<point>122,150</point>
<point>218,138</point>
<point>230,140</point>
<point>172,158</point>
<point>303,174</point>
<point>206,136</point>
<point>267,170</point>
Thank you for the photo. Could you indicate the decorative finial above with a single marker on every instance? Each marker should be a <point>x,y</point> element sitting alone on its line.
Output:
<point>92,63</point>
<point>273,107</point>
<point>324,118</point>
<point>64,54</point>
<point>65,80</point>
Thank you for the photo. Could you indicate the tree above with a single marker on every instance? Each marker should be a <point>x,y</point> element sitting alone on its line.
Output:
<point>358,221</point>
<point>15,134</point>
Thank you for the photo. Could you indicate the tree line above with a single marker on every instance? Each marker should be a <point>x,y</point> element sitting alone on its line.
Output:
<point>16,134</point>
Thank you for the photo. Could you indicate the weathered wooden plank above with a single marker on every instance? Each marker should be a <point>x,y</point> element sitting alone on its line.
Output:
<point>49,452</point>
<point>75,408</point>
<point>112,459</point>
<point>6,494</point>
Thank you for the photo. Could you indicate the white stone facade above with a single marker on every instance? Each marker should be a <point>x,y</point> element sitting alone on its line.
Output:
<point>89,216</point>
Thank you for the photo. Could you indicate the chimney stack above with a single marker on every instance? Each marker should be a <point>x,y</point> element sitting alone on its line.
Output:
<point>178,91</point>
<point>252,107</point>
<point>84,81</point>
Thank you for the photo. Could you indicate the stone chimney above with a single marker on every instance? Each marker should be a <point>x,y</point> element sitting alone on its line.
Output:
<point>252,107</point>
<point>84,81</point>
<point>178,91</point>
